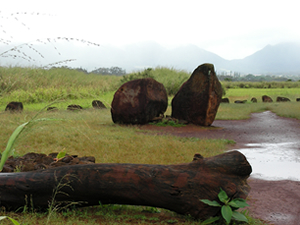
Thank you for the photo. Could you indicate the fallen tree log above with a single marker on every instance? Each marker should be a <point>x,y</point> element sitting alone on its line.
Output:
<point>178,187</point>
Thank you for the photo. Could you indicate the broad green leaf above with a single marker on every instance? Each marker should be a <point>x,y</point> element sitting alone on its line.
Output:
<point>11,219</point>
<point>211,203</point>
<point>61,155</point>
<point>210,220</point>
<point>239,216</point>
<point>223,196</point>
<point>226,212</point>
<point>238,203</point>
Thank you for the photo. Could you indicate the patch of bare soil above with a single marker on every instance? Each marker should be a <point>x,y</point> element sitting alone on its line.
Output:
<point>276,202</point>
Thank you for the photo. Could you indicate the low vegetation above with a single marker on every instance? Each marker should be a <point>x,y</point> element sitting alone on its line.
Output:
<point>92,132</point>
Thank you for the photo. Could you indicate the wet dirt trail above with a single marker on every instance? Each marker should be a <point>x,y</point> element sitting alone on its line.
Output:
<point>272,147</point>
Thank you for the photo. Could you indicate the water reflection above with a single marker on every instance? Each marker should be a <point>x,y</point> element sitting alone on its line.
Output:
<point>278,161</point>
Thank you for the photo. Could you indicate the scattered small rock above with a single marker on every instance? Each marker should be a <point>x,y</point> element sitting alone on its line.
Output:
<point>266,98</point>
<point>97,104</point>
<point>225,100</point>
<point>74,107</point>
<point>254,100</point>
<point>282,99</point>
<point>14,107</point>
<point>37,161</point>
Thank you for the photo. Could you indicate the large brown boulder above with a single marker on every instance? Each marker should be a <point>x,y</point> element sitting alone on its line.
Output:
<point>139,101</point>
<point>198,99</point>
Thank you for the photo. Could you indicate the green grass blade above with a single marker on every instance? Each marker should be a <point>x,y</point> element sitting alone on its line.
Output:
<point>12,139</point>
<point>11,219</point>
<point>9,147</point>
<point>10,143</point>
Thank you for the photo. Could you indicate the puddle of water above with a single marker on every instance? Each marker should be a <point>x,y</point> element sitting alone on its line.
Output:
<point>277,161</point>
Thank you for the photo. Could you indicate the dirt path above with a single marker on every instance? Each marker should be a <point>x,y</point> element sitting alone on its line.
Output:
<point>277,202</point>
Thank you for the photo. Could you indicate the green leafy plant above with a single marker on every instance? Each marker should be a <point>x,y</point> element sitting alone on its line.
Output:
<point>61,155</point>
<point>11,219</point>
<point>228,208</point>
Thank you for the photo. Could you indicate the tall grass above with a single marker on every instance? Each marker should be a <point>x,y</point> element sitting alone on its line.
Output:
<point>32,85</point>
<point>171,78</point>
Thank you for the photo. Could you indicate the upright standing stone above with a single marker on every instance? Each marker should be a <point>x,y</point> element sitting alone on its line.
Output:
<point>198,99</point>
<point>139,101</point>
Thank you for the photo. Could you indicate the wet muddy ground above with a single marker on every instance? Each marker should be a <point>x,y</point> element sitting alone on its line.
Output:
<point>272,147</point>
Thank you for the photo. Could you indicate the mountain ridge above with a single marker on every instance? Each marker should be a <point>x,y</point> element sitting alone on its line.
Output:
<point>272,59</point>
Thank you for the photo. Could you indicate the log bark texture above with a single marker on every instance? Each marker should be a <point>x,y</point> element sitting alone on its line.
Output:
<point>175,187</point>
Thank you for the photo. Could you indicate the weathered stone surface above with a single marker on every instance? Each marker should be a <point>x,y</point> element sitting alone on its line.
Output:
<point>97,104</point>
<point>266,98</point>
<point>139,101</point>
<point>198,99</point>
<point>282,99</point>
<point>14,107</point>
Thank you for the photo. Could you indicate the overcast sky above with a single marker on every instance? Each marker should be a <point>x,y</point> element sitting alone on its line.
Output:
<point>232,29</point>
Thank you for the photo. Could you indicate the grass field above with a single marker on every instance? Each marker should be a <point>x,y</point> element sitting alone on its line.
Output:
<point>92,132</point>
<point>248,93</point>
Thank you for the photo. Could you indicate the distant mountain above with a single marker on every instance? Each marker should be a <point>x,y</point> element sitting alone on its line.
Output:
<point>280,58</point>
<point>150,54</point>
